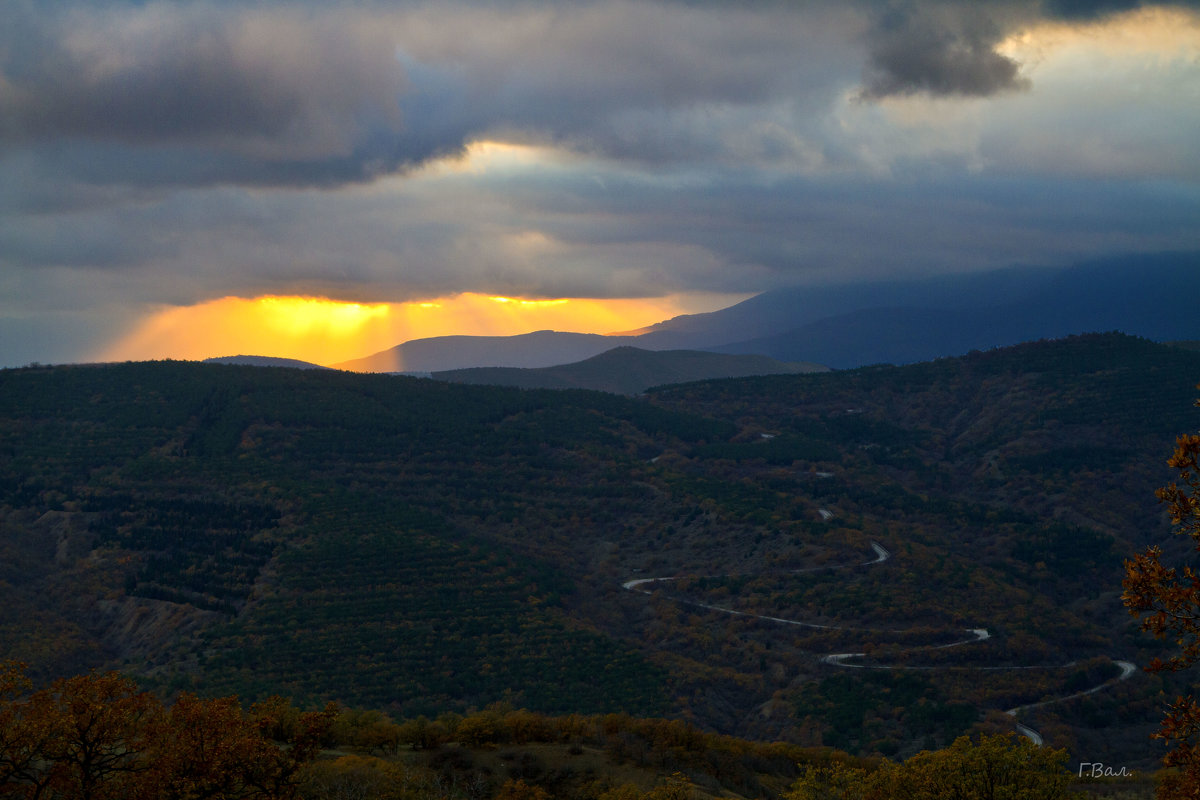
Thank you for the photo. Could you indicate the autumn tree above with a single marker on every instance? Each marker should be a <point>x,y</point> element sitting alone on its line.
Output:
<point>25,739</point>
<point>991,768</point>
<point>97,736</point>
<point>366,729</point>
<point>1168,598</point>
<point>676,787</point>
<point>517,789</point>
<point>994,767</point>
<point>84,737</point>
<point>833,781</point>
<point>355,777</point>
<point>214,749</point>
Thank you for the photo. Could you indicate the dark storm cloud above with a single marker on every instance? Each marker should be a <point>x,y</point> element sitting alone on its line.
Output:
<point>772,235</point>
<point>315,95</point>
<point>948,47</point>
<point>644,81</point>
<point>1094,9</point>
<point>939,50</point>
<point>173,152</point>
<point>201,93</point>
<point>286,95</point>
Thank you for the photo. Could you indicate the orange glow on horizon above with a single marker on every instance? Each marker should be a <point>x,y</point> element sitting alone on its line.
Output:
<point>529,303</point>
<point>324,331</point>
<point>299,316</point>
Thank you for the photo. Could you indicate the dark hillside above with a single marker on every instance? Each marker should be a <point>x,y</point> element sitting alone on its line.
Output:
<point>253,493</point>
<point>423,546</point>
<point>629,370</point>
<point>1030,469</point>
<point>1014,424</point>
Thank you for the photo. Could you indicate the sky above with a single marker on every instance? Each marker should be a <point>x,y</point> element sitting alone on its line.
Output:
<point>325,180</point>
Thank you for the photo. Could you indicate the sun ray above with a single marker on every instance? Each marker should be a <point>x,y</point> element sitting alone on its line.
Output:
<point>326,331</point>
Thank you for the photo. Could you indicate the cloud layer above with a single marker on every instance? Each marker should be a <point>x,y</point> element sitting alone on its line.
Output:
<point>176,152</point>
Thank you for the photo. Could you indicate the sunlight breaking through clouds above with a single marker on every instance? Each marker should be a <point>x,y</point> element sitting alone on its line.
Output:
<point>325,331</point>
<point>159,155</point>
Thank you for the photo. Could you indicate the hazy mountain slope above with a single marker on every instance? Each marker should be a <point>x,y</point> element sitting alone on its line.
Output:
<point>888,335</point>
<point>883,321</point>
<point>1143,296</point>
<point>527,350</point>
<point>629,370</point>
<point>1136,296</point>
<point>769,313</point>
<point>782,310</point>
<point>264,361</point>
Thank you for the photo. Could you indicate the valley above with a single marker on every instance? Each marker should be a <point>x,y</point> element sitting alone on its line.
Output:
<point>860,661</point>
<point>421,548</point>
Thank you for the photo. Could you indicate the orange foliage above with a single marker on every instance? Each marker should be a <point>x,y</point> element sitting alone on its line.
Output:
<point>1170,599</point>
<point>96,736</point>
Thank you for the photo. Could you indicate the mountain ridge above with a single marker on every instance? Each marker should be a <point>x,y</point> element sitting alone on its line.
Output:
<point>851,325</point>
<point>528,350</point>
<point>1086,298</point>
<point>264,361</point>
<point>629,370</point>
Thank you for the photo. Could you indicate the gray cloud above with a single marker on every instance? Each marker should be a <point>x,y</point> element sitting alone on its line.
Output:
<point>285,95</point>
<point>1094,9</point>
<point>271,85</point>
<point>174,152</point>
<point>203,94</point>
<point>946,49</point>
<point>560,232</point>
<point>295,95</point>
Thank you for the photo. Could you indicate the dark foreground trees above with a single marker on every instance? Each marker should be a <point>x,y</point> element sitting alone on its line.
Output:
<point>97,736</point>
<point>1169,599</point>
<point>993,768</point>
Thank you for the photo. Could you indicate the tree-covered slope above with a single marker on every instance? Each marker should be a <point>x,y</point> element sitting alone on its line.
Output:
<point>1009,485</point>
<point>423,546</point>
<point>629,370</point>
<point>315,517</point>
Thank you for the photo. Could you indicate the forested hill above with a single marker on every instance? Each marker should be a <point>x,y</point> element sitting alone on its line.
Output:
<point>629,370</point>
<point>420,546</point>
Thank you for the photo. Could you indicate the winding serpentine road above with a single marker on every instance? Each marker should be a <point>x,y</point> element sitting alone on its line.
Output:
<point>840,659</point>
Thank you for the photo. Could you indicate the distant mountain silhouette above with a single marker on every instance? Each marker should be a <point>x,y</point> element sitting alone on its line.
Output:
<point>1152,296</point>
<point>786,309</point>
<point>630,370</point>
<point>264,361</point>
<point>849,325</point>
<point>537,349</point>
